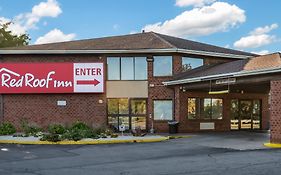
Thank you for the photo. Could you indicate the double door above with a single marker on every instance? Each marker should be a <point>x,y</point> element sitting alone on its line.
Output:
<point>245,114</point>
<point>127,113</point>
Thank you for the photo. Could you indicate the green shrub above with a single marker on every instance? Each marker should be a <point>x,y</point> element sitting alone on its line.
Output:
<point>30,130</point>
<point>51,137</point>
<point>7,128</point>
<point>114,135</point>
<point>56,129</point>
<point>80,126</point>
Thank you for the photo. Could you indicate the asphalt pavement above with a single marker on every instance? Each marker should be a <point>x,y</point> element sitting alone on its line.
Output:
<point>205,153</point>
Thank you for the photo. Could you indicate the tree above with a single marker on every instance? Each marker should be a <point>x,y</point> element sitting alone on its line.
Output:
<point>8,39</point>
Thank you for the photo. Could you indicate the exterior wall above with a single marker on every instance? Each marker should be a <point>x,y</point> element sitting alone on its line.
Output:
<point>275,112</point>
<point>42,109</point>
<point>192,125</point>
<point>160,92</point>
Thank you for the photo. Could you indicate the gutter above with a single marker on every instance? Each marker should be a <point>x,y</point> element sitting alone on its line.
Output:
<point>226,75</point>
<point>174,50</point>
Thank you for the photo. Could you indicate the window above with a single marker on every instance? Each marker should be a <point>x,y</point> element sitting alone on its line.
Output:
<point>162,66</point>
<point>216,108</point>
<point>192,108</point>
<point>163,110</point>
<point>127,68</point>
<point>138,106</point>
<point>191,63</point>
<point>113,68</point>
<point>140,68</point>
<point>204,108</point>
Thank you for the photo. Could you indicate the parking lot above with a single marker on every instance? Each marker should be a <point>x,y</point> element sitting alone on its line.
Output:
<point>204,153</point>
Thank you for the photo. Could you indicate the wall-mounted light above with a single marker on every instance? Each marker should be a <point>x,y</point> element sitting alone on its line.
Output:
<point>149,59</point>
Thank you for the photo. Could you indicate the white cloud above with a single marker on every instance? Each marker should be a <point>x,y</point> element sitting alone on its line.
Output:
<point>55,35</point>
<point>196,3</point>
<point>263,30</point>
<point>262,52</point>
<point>16,28</point>
<point>257,38</point>
<point>25,21</point>
<point>219,16</point>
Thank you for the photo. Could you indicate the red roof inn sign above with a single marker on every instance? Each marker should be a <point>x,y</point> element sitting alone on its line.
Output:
<point>51,78</point>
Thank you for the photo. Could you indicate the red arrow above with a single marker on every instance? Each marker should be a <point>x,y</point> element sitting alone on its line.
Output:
<point>94,82</point>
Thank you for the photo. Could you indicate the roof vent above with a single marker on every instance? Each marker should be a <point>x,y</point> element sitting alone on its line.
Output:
<point>143,31</point>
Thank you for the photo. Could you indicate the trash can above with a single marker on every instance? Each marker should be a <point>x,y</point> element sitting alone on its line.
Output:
<point>173,127</point>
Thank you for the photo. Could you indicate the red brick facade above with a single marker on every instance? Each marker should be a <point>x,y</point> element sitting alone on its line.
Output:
<point>42,109</point>
<point>192,125</point>
<point>275,112</point>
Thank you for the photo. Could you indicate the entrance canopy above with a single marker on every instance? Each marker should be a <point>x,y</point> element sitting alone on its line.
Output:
<point>253,74</point>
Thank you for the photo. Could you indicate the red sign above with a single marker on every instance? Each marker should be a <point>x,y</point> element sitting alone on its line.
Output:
<point>51,78</point>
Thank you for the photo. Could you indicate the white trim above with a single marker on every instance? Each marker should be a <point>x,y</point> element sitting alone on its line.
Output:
<point>124,52</point>
<point>233,74</point>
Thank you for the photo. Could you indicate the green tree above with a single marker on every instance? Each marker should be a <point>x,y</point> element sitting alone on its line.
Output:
<point>8,39</point>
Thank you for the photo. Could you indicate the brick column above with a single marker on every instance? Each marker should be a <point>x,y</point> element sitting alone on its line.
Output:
<point>275,111</point>
<point>177,103</point>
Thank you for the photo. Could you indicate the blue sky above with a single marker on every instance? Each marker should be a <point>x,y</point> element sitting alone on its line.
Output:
<point>227,23</point>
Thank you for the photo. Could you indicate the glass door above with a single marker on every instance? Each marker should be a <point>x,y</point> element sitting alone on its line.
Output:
<point>126,113</point>
<point>234,115</point>
<point>246,114</point>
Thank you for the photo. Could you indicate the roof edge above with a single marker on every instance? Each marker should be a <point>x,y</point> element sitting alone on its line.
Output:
<point>171,50</point>
<point>226,75</point>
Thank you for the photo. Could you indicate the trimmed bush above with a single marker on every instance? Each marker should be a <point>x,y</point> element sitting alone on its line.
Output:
<point>80,126</point>
<point>56,129</point>
<point>51,137</point>
<point>30,130</point>
<point>7,128</point>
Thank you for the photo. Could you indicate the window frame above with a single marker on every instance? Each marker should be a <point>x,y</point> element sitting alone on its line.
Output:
<point>201,116</point>
<point>130,115</point>
<point>187,57</point>
<point>134,68</point>
<point>172,66</point>
<point>172,116</point>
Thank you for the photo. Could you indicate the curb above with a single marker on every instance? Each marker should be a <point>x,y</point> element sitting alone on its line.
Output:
<point>272,145</point>
<point>81,142</point>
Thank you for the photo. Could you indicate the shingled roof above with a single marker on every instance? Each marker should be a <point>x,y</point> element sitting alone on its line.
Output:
<point>139,41</point>
<point>260,64</point>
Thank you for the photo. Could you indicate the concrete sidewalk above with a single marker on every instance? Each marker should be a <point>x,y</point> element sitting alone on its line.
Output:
<point>120,139</point>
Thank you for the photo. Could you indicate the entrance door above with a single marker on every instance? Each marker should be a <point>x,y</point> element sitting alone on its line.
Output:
<point>126,113</point>
<point>245,114</point>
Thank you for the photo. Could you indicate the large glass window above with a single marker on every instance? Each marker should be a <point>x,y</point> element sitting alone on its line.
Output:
<point>162,66</point>
<point>140,68</point>
<point>138,106</point>
<point>113,68</point>
<point>127,68</point>
<point>191,63</point>
<point>204,108</point>
<point>163,110</point>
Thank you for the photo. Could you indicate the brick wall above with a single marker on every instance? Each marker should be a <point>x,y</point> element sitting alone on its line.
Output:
<point>42,109</point>
<point>275,111</point>
<point>187,125</point>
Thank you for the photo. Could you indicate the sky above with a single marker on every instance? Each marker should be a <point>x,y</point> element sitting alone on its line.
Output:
<point>248,25</point>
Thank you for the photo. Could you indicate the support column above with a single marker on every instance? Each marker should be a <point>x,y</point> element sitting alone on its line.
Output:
<point>275,111</point>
